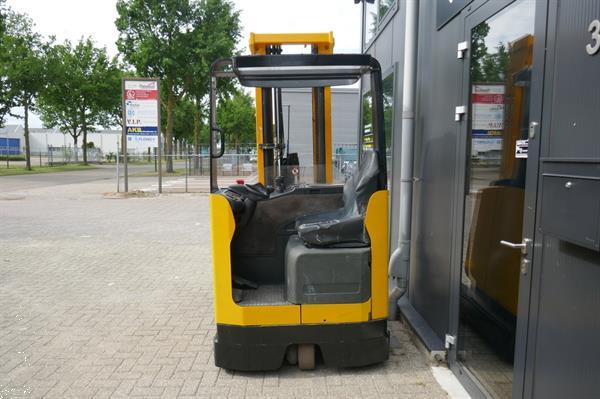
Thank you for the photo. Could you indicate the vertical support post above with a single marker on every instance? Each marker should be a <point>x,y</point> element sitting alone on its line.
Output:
<point>158,133</point>
<point>118,172</point>
<point>124,139</point>
<point>186,174</point>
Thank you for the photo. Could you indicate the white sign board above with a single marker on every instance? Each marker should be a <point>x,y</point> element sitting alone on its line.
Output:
<point>488,109</point>
<point>140,111</point>
<point>521,148</point>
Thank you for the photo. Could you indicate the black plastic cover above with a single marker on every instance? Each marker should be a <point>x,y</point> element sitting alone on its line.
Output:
<point>300,70</point>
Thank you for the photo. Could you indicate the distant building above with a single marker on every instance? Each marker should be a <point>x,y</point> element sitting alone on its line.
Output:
<point>41,139</point>
<point>344,120</point>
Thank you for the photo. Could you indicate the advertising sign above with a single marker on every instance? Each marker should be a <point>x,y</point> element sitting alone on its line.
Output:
<point>487,116</point>
<point>140,111</point>
<point>488,110</point>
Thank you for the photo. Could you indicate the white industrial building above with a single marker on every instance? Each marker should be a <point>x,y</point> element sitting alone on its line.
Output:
<point>344,122</point>
<point>42,139</point>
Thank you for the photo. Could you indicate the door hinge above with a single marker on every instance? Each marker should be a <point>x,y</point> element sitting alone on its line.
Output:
<point>459,112</point>
<point>460,50</point>
<point>450,340</point>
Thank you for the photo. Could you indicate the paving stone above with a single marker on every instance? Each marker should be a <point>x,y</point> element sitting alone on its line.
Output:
<point>113,298</point>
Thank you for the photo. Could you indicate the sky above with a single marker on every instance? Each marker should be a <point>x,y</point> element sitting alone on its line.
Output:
<point>73,19</point>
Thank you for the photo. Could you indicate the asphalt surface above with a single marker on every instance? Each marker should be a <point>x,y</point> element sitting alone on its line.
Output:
<point>40,180</point>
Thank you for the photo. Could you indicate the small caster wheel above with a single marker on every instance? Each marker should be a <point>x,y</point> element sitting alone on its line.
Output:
<point>306,356</point>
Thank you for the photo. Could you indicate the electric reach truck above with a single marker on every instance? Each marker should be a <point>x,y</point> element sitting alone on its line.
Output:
<point>300,257</point>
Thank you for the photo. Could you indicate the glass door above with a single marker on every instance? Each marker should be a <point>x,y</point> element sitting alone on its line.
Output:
<point>500,71</point>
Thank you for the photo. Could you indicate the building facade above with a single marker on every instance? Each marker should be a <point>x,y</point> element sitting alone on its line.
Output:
<point>505,233</point>
<point>297,117</point>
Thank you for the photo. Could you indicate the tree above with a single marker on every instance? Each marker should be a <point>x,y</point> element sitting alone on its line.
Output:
<point>100,79</point>
<point>58,101</point>
<point>478,51</point>
<point>218,30</point>
<point>155,37</point>
<point>24,68</point>
<point>6,100</point>
<point>83,93</point>
<point>237,117</point>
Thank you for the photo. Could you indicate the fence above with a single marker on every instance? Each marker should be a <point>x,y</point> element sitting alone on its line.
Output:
<point>190,172</point>
<point>54,156</point>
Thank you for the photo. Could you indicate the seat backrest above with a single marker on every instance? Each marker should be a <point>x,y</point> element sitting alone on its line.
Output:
<point>363,183</point>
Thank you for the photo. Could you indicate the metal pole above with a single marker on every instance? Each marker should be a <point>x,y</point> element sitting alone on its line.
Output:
<point>159,141</point>
<point>186,174</point>
<point>124,139</point>
<point>118,149</point>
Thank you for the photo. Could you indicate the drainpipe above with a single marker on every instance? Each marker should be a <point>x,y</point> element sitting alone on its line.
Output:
<point>400,259</point>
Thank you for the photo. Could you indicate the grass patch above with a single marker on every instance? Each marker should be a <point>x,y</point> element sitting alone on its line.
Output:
<point>43,169</point>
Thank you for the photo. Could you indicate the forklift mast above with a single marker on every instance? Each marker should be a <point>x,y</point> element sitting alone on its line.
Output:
<point>270,135</point>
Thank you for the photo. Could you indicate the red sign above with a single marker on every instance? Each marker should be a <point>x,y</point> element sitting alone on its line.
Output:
<point>488,98</point>
<point>141,94</point>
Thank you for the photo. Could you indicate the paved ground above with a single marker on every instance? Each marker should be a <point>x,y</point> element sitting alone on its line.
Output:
<point>113,298</point>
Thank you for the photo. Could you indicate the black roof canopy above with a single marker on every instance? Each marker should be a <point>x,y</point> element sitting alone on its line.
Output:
<point>301,70</point>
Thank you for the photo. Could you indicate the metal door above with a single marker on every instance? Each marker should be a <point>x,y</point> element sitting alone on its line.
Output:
<point>498,155</point>
<point>562,336</point>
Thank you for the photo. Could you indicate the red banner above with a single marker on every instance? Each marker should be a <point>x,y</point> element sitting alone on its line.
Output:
<point>489,98</point>
<point>141,94</point>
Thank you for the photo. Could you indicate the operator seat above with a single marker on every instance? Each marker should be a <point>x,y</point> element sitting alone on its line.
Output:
<point>344,227</point>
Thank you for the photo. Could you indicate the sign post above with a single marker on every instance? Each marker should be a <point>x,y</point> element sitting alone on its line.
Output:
<point>141,118</point>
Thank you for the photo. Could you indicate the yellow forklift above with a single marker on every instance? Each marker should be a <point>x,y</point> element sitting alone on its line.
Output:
<point>300,263</point>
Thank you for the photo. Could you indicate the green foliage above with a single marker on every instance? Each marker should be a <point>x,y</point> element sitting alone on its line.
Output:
<point>85,89</point>
<point>23,68</point>
<point>183,119</point>
<point>25,59</point>
<point>215,36</point>
<point>237,117</point>
<point>487,66</point>
<point>6,100</point>
<point>155,37</point>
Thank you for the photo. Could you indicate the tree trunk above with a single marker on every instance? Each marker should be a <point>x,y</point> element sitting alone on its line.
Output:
<point>197,117</point>
<point>26,135</point>
<point>75,147</point>
<point>84,130</point>
<point>169,132</point>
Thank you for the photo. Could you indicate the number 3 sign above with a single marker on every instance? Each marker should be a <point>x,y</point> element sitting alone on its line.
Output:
<point>594,29</point>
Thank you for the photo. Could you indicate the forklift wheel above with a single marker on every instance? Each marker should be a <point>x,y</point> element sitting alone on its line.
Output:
<point>306,356</point>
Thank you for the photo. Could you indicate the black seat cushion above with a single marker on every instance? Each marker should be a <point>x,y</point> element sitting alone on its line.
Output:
<point>344,227</point>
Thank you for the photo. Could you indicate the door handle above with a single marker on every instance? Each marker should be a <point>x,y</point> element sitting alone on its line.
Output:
<point>523,246</point>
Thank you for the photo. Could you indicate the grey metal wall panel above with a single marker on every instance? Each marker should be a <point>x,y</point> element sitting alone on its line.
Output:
<point>563,346</point>
<point>568,323</point>
<point>574,131</point>
<point>383,47</point>
<point>435,167</point>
